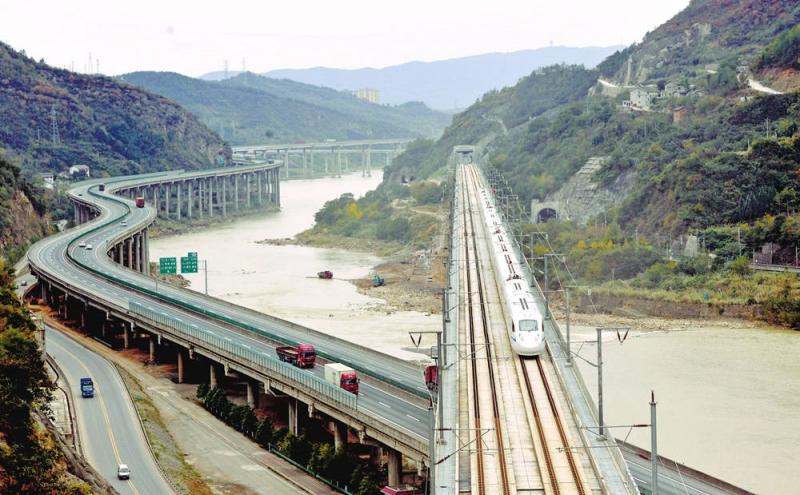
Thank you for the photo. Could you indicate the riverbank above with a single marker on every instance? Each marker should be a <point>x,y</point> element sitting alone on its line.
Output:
<point>412,279</point>
<point>644,323</point>
<point>166,227</point>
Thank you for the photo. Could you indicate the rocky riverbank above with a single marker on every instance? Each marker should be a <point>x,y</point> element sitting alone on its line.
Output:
<point>164,228</point>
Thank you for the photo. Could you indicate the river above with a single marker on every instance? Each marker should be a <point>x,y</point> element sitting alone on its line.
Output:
<point>281,280</point>
<point>728,398</point>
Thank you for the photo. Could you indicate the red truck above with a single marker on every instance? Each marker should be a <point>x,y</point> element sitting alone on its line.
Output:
<point>302,356</point>
<point>140,202</point>
<point>342,376</point>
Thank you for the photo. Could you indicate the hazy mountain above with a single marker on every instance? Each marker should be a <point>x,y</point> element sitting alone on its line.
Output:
<point>250,109</point>
<point>444,84</point>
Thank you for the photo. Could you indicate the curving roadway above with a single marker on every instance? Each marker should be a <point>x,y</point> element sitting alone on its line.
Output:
<point>108,423</point>
<point>88,270</point>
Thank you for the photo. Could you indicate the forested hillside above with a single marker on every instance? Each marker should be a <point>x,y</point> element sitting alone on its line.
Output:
<point>251,109</point>
<point>51,119</point>
<point>25,211</point>
<point>698,150</point>
<point>706,34</point>
<point>30,461</point>
<point>727,157</point>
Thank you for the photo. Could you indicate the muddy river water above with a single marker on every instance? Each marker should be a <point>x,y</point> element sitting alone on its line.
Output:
<point>282,281</point>
<point>728,398</point>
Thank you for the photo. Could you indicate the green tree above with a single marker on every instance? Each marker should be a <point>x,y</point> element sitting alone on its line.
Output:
<point>202,390</point>
<point>264,432</point>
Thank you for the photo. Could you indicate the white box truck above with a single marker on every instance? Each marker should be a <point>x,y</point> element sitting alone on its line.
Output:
<point>342,376</point>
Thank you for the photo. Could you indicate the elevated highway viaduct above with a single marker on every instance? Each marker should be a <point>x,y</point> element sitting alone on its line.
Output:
<point>107,292</point>
<point>300,159</point>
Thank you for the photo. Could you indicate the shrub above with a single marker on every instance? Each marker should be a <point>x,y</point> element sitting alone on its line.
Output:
<point>741,266</point>
<point>202,390</point>
<point>264,432</point>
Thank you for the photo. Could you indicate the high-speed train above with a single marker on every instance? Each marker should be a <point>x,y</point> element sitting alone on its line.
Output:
<point>527,326</point>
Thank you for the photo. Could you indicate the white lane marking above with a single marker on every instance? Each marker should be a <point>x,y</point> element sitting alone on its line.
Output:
<point>412,417</point>
<point>384,404</point>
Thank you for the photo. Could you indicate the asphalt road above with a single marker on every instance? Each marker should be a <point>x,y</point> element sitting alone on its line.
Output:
<point>107,423</point>
<point>51,255</point>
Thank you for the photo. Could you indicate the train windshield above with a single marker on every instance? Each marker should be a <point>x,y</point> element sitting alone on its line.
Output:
<point>527,326</point>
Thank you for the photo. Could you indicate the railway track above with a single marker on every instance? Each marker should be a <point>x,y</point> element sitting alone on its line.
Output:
<point>475,341</point>
<point>557,463</point>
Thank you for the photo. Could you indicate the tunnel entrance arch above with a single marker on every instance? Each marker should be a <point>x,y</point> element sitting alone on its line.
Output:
<point>546,214</point>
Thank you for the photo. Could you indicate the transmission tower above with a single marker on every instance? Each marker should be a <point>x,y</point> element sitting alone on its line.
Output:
<point>54,136</point>
<point>226,69</point>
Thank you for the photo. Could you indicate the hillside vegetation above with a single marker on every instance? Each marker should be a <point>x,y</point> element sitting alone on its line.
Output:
<point>701,37</point>
<point>25,211</point>
<point>112,127</point>
<point>251,109</point>
<point>29,460</point>
<point>709,157</point>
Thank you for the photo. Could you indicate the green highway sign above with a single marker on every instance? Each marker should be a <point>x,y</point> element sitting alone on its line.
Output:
<point>188,264</point>
<point>192,254</point>
<point>167,266</point>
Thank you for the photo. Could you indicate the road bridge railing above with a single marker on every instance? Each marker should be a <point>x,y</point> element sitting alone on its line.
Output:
<point>256,359</point>
<point>302,384</point>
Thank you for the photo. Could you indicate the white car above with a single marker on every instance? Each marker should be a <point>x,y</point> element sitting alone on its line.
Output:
<point>124,223</point>
<point>89,247</point>
<point>82,245</point>
<point>123,472</point>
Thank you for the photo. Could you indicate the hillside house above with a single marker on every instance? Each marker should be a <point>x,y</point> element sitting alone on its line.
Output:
<point>641,98</point>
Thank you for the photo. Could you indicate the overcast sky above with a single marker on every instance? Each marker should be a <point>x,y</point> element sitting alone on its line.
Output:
<point>198,36</point>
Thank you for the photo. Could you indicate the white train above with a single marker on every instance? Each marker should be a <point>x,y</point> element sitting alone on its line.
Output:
<point>527,327</point>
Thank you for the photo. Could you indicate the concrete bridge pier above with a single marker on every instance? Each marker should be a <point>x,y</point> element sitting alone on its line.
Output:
<point>189,198</point>
<point>213,375</point>
<point>394,464</point>
<point>178,200</point>
<point>253,393</point>
<point>293,415</point>
<point>167,197</point>
<point>126,336</point>
<point>210,199</point>
<point>248,190</point>
<point>201,195</point>
<point>180,365</point>
<point>339,434</point>
<point>152,349</point>
<point>236,192</point>
<point>224,197</point>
